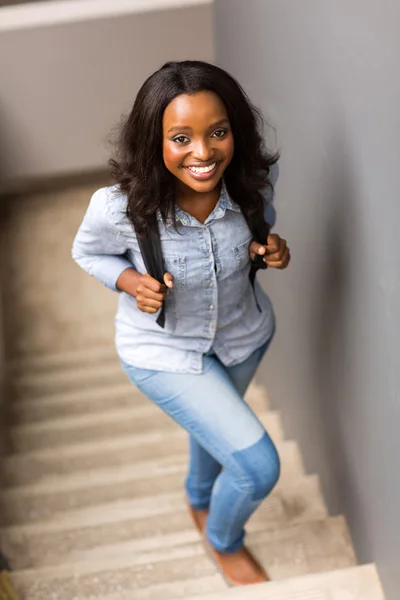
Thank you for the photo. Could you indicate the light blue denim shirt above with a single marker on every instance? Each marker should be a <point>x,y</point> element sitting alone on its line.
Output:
<point>212,305</point>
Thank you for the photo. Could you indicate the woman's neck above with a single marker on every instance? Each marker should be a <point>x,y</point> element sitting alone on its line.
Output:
<point>198,205</point>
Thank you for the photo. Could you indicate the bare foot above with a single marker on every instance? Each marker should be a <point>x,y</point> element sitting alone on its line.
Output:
<point>239,568</point>
<point>199,517</point>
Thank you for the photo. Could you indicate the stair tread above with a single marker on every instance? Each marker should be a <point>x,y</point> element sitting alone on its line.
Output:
<point>149,468</point>
<point>97,399</point>
<point>56,494</point>
<point>70,378</point>
<point>75,534</point>
<point>41,384</point>
<point>37,465</point>
<point>63,361</point>
<point>83,479</point>
<point>354,583</point>
<point>286,552</point>
<point>109,424</point>
<point>146,410</point>
<point>71,398</point>
<point>92,447</point>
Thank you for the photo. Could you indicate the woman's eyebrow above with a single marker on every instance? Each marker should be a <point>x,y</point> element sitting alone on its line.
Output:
<point>223,121</point>
<point>187,128</point>
<point>180,128</point>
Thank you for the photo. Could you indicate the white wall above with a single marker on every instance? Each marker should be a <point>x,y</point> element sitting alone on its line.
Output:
<point>327,75</point>
<point>68,69</point>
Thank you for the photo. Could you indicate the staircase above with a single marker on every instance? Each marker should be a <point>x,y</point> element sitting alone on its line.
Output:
<point>92,505</point>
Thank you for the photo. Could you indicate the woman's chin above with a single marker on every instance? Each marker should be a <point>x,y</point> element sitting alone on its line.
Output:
<point>204,186</point>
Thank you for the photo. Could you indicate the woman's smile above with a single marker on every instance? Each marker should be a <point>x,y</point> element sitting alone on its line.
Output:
<point>205,172</point>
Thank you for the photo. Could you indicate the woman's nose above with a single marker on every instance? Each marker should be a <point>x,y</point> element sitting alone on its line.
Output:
<point>201,151</point>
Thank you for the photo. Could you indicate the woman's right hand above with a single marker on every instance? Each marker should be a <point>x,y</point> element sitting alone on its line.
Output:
<point>150,294</point>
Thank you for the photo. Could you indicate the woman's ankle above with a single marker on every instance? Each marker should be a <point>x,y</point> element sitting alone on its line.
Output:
<point>238,567</point>
<point>199,517</point>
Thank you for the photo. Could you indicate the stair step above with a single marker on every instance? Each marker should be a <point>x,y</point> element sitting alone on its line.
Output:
<point>76,402</point>
<point>56,494</point>
<point>99,399</point>
<point>171,591</point>
<point>79,358</point>
<point>50,382</point>
<point>39,384</point>
<point>39,465</point>
<point>108,425</point>
<point>146,523</point>
<point>291,551</point>
<point>355,583</point>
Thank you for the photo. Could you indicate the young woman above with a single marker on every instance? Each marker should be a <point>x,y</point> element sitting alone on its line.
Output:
<point>191,153</point>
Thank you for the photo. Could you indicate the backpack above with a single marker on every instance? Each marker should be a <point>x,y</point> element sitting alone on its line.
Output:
<point>150,248</point>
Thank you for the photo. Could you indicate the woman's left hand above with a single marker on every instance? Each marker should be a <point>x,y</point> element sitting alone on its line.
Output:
<point>276,253</point>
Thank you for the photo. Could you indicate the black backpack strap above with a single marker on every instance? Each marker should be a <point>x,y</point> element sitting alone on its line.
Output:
<point>150,248</point>
<point>260,234</point>
<point>260,231</point>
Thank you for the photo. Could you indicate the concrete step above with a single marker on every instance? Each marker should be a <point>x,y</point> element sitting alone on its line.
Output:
<point>57,494</point>
<point>108,425</point>
<point>42,465</point>
<point>78,372</point>
<point>286,552</point>
<point>75,402</point>
<point>40,384</point>
<point>84,376</point>
<point>99,399</point>
<point>182,588</point>
<point>39,465</point>
<point>79,358</point>
<point>146,523</point>
<point>355,583</point>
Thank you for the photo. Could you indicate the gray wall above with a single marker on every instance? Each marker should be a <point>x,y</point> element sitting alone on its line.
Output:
<point>327,75</point>
<point>66,76</point>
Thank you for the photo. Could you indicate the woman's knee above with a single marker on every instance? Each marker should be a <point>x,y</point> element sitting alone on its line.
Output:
<point>260,467</point>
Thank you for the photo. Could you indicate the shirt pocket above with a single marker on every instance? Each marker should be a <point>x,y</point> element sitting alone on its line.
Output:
<point>176,265</point>
<point>241,254</point>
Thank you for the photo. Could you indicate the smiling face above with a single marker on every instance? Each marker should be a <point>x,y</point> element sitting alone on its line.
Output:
<point>197,141</point>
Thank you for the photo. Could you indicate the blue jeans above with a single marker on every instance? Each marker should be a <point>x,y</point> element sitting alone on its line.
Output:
<point>234,464</point>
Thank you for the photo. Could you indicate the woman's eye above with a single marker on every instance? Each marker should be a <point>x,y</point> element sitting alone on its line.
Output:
<point>219,133</point>
<point>181,139</point>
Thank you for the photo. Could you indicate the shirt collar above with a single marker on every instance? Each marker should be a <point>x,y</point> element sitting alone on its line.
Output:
<point>224,203</point>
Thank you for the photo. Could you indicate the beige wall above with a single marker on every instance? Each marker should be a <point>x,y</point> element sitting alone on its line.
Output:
<point>64,84</point>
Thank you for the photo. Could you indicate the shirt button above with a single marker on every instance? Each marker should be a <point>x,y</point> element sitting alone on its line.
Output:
<point>211,306</point>
<point>204,228</point>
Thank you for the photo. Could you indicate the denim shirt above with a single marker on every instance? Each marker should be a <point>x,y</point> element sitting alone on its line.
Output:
<point>212,306</point>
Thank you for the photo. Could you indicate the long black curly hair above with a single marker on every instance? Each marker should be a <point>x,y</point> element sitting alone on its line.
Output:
<point>138,167</point>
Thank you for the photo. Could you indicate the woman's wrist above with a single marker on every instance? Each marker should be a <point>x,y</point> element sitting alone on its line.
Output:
<point>128,281</point>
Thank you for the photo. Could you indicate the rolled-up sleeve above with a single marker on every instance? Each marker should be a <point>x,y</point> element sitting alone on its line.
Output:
<point>99,248</point>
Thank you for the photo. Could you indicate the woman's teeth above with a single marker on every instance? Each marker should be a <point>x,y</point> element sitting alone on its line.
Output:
<point>203,169</point>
